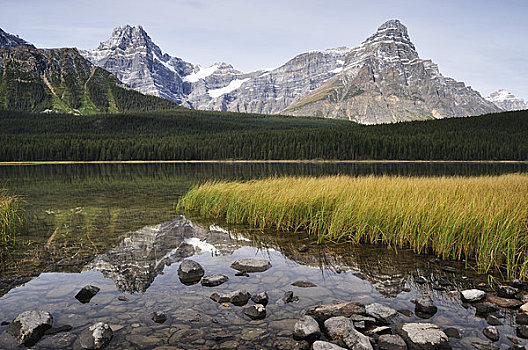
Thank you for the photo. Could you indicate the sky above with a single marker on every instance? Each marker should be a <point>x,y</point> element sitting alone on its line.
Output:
<point>480,42</point>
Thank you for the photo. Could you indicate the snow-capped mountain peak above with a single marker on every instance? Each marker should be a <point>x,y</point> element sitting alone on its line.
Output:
<point>10,40</point>
<point>507,101</point>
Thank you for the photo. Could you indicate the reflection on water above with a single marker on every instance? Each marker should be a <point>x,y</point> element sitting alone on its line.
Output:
<point>100,224</point>
<point>144,265</point>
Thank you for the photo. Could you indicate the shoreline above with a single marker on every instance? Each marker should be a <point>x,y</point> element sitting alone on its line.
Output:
<point>234,161</point>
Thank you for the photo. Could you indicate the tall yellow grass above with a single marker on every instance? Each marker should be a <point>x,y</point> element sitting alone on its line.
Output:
<point>481,219</point>
<point>10,217</point>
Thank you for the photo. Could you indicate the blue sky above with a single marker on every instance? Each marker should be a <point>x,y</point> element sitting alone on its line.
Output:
<point>483,43</point>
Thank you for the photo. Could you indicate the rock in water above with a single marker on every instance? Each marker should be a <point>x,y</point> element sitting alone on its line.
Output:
<point>491,333</point>
<point>357,341</point>
<point>255,312</point>
<point>307,329</point>
<point>29,326</point>
<point>336,328</point>
<point>472,295</point>
<point>238,297</point>
<point>323,345</point>
<point>522,318</point>
<point>504,302</point>
<point>304,284</point>
<point>159,317</point>
<point>382,313</point>
<point>251,265</point>
<point>323,312</point>
<point>214,280</point>
<point>391,342</point>
<point>522,331</point>
<point>425,305</point>
<point>190,272</point>
<point>289,297</point>
<point>423,336</point>
<point>507,292</point>
<point>260,298</point>
<point>96,337</point>
<point>86,294</point>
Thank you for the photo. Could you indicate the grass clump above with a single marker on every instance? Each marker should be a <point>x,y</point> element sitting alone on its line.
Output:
<point>481,219</point>
<point>10,218</point>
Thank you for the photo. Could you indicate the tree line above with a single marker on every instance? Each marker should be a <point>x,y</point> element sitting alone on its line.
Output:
<point>199,135</point>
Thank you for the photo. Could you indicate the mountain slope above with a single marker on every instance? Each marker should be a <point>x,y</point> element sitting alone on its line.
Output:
<point>384,80</point>
<point>41,80</point>
<point>507,101</point>
<point>10,40</point>
<point>136,60</point>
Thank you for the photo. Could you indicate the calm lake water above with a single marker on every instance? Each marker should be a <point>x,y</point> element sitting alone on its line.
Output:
<point>115,226</point>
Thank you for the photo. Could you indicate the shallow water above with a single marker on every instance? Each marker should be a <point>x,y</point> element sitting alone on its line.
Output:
<point>100,225</point>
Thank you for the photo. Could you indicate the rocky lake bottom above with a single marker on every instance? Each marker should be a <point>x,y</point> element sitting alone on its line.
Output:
<point>140,276</point>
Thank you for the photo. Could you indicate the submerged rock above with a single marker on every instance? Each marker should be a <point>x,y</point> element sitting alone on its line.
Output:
<point>493,320</point>
<point>472,295</point>
<point>382,313</point>
<point>304,284</point>
<point>484,309</point>
<point>306,328</point>
<point>260,298</point>
<point>452,332</point>
<point>214,280</point>
<point>95,337</point>
<point>30,326</point>
<point>323,312</point>
<point>190,272</point>
<point>255,312</point>
<point>251,265</point>
<point>423,336</point>
<point>289,297</point>
<point>87,293</point>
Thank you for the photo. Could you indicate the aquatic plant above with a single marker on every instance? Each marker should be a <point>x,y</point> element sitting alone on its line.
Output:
<point>10,217</point>
<point>483,220</point>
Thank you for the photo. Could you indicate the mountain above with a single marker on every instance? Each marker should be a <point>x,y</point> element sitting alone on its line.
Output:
<point>507,101</point>
<point>10,40</point>
<point>136,60</point>
<point>384,81</point>
<point>45,80</point>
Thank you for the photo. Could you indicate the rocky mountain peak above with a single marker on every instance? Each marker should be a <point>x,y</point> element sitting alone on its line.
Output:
<point>10,40</point>
<point>390,40</point>
<point>507,101</point>
<point>129,37</point>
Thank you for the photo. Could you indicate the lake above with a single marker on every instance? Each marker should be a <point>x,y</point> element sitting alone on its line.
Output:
<point>115,226</point>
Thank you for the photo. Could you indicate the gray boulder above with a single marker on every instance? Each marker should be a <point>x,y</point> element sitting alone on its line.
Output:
<point>472,295</point>
<point>383,314</point>
<point>323,345</point>
<point>425,305</point>
<point>29,326</point>
<point>306,328</point>
<point>251,265</point>
<point>423,336</point>
<point>357,341</point>
<point>97,336</point>
<point>190,272</point>
<point>336,328</point>
<point>323,312</point>
<point>391,342</point>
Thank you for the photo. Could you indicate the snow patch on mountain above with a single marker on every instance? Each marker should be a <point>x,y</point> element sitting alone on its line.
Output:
<point>233,85</point>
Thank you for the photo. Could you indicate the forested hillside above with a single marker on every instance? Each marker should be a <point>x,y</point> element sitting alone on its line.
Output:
<point>51,80</point>
<point>190,134</point>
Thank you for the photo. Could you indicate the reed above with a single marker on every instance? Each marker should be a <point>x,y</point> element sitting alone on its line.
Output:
<point>10,217</point>
<point>483,220</point>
